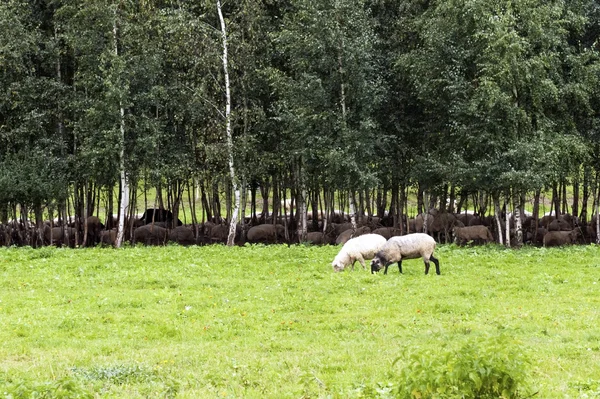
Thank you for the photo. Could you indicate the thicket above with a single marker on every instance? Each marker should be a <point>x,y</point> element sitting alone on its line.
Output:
<point>335,104</point>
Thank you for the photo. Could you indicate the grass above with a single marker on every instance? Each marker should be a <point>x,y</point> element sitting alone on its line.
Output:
<point>277,322</point>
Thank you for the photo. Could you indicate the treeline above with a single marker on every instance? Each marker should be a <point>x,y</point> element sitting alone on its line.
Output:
<point>362,100</point>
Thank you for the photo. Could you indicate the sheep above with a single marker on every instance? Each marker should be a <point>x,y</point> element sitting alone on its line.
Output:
<point>318,238</point>
<point>348,234</point>
<point>266,233</point>
<point>358,249</point>
<point>558,238</point>
<point>410,246</point>
<point>182,235</point>
<point>463,235</point>
<point>108,237</point>
<point>387,232</point>
<point>151,235</point>
<point>561,223</point>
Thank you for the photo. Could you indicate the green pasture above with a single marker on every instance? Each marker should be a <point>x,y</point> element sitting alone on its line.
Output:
<point>277,322</point>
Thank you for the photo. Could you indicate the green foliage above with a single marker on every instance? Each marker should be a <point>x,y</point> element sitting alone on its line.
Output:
<point>491,368</point>
<point>119,374</point>
<point>62,388</point>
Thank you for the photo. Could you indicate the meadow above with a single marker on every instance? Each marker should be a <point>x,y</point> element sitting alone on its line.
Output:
<point>277,322</point>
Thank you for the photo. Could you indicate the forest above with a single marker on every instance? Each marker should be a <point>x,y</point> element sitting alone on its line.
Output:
<point>352,105</point>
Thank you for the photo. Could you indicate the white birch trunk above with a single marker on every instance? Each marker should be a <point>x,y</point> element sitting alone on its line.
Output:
<point>596,191</point>
<point>234,185</point>
<point>498,220</point>
<point>123,206</point>
<point>426,212</point>
<point>243,210</point>
<point>302,231</point>
<point>507,221</point>
<point>352,211</point>
<point>518,227</point>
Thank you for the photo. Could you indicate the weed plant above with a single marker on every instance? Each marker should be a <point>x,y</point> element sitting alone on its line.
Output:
<point>276,321</point>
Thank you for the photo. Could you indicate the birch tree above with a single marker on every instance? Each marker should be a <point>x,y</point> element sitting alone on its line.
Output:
<point>232,175</point>
<point>124,205</point>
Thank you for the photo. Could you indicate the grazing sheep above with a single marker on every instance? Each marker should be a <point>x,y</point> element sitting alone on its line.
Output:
<point>219,232</point>
<point>347,234</point>
<point>339,228</point>
<point>55,235</point>
<point>358,249</point>
<point>387,232</point>
<point>182,235</point>
<point>266,234</point>
<point>559,238</point>
<point>410,246</point>
<point>318,238</point>
<point>151,235</point>
<point>477,233</point>
<point>560,224</point>
<point>108,237</point>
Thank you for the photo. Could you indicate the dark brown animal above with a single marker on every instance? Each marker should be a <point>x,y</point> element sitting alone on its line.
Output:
<point>108,237</point>
<point>182,235</point>
<point>347,234</point>
<point>266,234</point>
<point>476,234</point>
<point>94,226</point>
<point>560,238</point>
<point>59,235</point>
<point>560,224</point>
<point>387,232</point>
<point>318,238</point>
<point>150,235</point>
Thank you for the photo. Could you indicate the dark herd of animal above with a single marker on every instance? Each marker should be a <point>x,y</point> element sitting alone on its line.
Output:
<point>157,227</point>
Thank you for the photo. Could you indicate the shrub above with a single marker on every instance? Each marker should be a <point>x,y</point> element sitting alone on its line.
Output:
<point>492,368</point>
<point>67,388</point>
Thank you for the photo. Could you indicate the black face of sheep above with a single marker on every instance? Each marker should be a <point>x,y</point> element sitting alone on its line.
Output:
<point>376,265</point>
<point>379,263</point>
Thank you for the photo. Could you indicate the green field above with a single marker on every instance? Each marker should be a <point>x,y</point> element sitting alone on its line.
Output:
<point>256,322</point>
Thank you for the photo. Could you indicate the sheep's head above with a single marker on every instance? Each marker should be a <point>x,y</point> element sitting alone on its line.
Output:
<point>377,264</point>
<point>337,265</point>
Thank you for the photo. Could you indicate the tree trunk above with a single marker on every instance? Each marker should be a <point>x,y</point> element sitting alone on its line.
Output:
<point>575,208</point>
<point>85,208</point>
<point>507,218</point>
<point>586,194</point>
<point>302,220</point>
<point>498,212</point>
<point>425,198</point>
<point>234,183</point>
<point>401,199</point>
<point>452,199</point>
<point>420,199</point>
<point>555,199</point>
<point>517,206</point>
<point>565,205</point>
<point>596,192</point>
<point>352,211</point>
<point>123,176</point>
<point>536,214</point>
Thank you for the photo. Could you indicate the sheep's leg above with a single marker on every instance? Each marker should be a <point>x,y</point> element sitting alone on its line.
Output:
<point>362,262</point>
<point>426,266</point>
<point>400,266</point>
<point>437,264</point>
<point>386,267</point>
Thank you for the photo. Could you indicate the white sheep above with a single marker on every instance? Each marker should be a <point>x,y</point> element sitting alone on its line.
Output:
<point>410,246</point>
<point>358,249</point>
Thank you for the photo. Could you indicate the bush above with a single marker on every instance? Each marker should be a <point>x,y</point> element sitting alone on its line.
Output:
<point>493,368</point>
